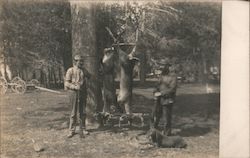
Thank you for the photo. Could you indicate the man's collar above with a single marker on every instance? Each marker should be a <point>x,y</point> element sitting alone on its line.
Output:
<point>75,67</point>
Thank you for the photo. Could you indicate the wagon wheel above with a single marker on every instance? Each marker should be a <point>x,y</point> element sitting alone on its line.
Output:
<point>3,85</point>
<point>13,83</point>
<point>34,82</point>
<point>18,85</point>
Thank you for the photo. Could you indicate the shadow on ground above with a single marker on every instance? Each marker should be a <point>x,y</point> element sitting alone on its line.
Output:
<point>194,114</point>
<point>190,114</point>
<point>194,131</point>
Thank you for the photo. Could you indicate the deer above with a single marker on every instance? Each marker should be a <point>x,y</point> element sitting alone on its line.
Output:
<point>126,65</point>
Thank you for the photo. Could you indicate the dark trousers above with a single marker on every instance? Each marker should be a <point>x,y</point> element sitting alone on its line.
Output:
<point>160,110</point>
<point>78,112</point>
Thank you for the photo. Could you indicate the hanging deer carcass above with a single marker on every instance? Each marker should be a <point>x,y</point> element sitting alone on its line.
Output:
<point>127,63</point>
<point>123,103</point>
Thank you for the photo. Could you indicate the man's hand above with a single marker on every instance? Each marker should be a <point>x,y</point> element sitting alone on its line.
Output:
<point>77,87</point>
<point>157,94</point>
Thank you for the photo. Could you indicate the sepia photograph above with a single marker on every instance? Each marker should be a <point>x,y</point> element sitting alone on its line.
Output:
<point>108,79</point>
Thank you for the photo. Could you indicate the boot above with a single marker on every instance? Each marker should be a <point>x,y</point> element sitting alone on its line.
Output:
<point>85,132</point>
<point>71,134</point>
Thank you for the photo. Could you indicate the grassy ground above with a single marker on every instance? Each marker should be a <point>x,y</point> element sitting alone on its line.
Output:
<point>38,117</point>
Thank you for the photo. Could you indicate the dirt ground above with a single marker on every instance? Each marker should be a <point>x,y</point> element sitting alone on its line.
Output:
<point>39,118</point>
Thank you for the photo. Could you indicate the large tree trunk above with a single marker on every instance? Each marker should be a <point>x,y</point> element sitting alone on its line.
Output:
<point>4,64</point>
<point>204,66</point>
<point>208,89</point>
<point>84,43</point>
<point>67,51</point>
<point>142,69</point>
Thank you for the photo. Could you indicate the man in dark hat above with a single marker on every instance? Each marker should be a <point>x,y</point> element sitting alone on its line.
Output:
<point>75,82</point>
<point>164,96</point>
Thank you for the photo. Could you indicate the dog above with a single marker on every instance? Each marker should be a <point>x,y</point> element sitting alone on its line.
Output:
<point>161,140</point>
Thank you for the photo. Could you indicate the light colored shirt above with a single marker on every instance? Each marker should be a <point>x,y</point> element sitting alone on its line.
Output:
<point>75,76</point>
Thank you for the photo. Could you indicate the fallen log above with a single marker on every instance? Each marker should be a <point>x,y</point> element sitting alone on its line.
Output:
<point>48,90</point>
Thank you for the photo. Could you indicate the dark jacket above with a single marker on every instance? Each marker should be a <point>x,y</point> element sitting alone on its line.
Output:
<point>167,86</point>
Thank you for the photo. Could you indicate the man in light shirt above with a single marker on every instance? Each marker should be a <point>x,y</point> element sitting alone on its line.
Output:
<point>75,82</point>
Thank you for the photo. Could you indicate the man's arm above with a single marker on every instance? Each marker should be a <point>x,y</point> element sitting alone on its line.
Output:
<point>156,90</point>
<point>68,79</point>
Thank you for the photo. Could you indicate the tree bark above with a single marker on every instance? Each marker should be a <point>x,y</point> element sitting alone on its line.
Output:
<point>204,65</point>
<point>54,78</point>
<point>142,68</point>
<point>84,43</point>
<point>60,75</point>
<point>49,77</point>
<point>66,52</point>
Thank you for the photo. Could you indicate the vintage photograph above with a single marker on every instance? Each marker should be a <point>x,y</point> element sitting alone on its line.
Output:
<point>108,79</point>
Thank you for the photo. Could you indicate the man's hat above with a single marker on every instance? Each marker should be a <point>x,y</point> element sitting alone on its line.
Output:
<point>78,57</point>
<point>164,61</point>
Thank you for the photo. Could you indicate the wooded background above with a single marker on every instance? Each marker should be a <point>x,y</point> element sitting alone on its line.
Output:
<point>36,37</point>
